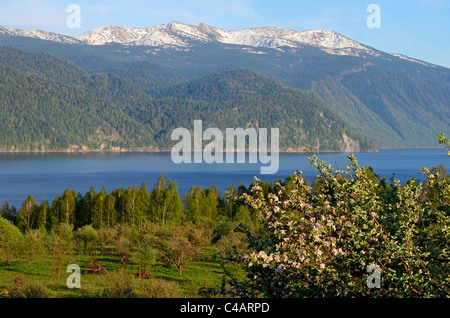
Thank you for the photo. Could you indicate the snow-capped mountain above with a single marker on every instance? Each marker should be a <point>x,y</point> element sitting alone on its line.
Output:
<point>396,100</point>
<point>38,34</point>
<point>180,35</point>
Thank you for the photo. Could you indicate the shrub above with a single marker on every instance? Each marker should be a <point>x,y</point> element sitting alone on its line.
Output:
<point>118,284</point>
<point>11,240</point>
<point>20,288</point>
<point>158,288</point>
<point>230,241</point>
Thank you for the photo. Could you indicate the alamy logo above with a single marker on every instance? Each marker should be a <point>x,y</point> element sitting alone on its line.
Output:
<point>374,20</point>
<point>74,280</point>
<point>74,19</point>
<point>374,279</point>
<point>213,152</point>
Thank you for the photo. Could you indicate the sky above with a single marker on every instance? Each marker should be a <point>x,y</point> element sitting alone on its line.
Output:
<point>417,28</point>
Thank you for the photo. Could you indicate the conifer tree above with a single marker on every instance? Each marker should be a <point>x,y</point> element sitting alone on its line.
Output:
<point>99,209</point>
<point>68,202</point>
<point>43,220</point>
<point>27,215</point>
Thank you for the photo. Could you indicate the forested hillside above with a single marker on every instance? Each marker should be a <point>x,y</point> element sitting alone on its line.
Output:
<point>37,114</point>
<point>50,104</point>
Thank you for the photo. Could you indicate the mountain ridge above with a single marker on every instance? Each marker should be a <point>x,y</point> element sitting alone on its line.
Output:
<point>394,100</point>
<point>169,36</point>
<point>268,37</point>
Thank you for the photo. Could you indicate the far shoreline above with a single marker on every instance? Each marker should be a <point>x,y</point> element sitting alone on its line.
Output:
<point>162,151</point>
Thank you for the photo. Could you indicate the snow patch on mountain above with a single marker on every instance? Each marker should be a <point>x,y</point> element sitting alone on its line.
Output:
<point>38,34</point>
<point>178,34</point>
<point>404,57</point>
<point>112,34</point>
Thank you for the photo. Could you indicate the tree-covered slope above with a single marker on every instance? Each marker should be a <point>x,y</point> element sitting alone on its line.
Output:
<point>244,98</point>
<point>37,114</point>
<point>394,100</point>
<point>112,111</point>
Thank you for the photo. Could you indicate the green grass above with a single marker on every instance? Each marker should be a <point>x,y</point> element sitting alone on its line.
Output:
<point>202,272</point>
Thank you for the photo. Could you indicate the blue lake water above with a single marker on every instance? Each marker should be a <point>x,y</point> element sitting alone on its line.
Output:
<point>45,175</point>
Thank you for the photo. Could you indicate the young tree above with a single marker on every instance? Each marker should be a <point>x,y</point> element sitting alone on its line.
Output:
<point>227,204</point>
<point>145,257</point>
<point>144,204</point>
<point>201,203</point>
<point>60,244</point>
<point>33,245</point>
<point>193,203</point>
<point>100,208</point>
<point>111,217</point>
<point>105,236</point>
<point>123,248</point>
<point>85,209</point>
<point>86,234</point>
<point>90,205</point>
<point>55,212</point>
<point>67,204</point>
<point>120,206</point>
<point>243,215</point>
<point>132,206</point>
<point>176,248</point>
<point>27,215</point>
<point>198,237</point>
<point>43,219</point>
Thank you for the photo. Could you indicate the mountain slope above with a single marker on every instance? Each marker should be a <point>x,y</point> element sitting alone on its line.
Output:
<point>38,34</point>
<point>38,114</point>
<point>395,100</point>
<point>112,112</point>
<point>244,98</point>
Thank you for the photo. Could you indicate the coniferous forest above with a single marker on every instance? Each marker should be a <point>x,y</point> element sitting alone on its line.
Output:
<point>103,111</point>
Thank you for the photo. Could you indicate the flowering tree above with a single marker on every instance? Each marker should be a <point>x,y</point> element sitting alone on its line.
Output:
<point>326,243</point>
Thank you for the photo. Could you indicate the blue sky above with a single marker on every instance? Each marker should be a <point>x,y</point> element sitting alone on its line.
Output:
<point>417,28</point>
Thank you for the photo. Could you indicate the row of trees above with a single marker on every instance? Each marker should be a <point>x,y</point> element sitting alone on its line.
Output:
<point>132,207</point>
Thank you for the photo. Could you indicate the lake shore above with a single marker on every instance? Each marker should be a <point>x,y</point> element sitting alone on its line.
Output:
<point>45,174</point>
<point>282,151</point>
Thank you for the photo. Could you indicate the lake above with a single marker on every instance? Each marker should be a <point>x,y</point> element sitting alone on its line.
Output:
<point>43,175</point>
